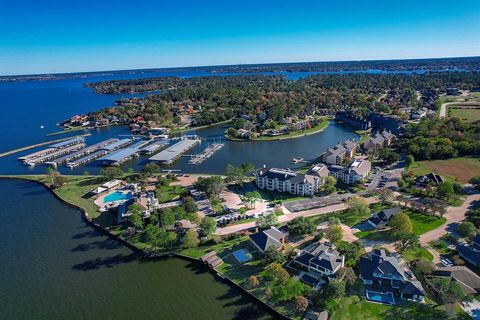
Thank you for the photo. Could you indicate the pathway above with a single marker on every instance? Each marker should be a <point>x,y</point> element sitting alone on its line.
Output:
<point>443,108</point>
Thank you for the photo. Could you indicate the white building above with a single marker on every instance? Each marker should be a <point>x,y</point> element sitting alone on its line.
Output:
<point>355,171</point>
<point>286,180</point>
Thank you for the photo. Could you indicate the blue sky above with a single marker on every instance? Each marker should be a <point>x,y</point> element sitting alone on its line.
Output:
<point>67,36</point>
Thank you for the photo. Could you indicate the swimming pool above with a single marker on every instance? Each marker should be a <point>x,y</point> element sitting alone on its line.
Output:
<point>117,196</point>
<point>381,297</point>
<point>242,255</point>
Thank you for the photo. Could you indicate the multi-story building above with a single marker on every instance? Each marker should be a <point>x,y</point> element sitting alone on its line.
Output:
<point>286,180</point>
<point>355,171</point>
<point>340,152</point>
<point>320,259</point>
<point>379,140</point>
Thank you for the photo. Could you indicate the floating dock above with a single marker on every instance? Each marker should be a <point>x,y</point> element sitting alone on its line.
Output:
<point>154,147</point>
<point>117,145</point>
<point>205,154</point>
<point>54,151</point>
<point>118,157</point>
<point>92,156</point>
<point>172,153</point>
<point>81,153</point>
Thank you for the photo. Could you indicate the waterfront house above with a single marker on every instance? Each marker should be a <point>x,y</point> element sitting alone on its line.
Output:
<point>319,170</point>
<point>468,280</point>
<point>262,240</point>
<point>320,259</point>
<point>286,180</point>
<point>354,172</point>
<point>471,252</point>
<point>385,280</point>
<point>381,219</point>
<point>349,118</point>
<point>340,152</point>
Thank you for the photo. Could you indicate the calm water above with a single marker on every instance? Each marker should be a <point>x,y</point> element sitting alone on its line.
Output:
<point>54,266</point>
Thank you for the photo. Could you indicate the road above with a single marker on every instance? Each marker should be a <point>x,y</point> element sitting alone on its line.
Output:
<point>443,109</point>
<point>290,216</point>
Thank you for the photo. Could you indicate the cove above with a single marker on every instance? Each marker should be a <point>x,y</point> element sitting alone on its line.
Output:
<point>54,266</point>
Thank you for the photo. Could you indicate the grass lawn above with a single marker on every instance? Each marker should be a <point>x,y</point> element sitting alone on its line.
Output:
<point>352,307</point>
<point>456,168</point>
<point>169,193</point>
<point>422,223</point>
<point>413,254</point>
<point>465,114</point>
<point>221,248</point>
<point>294,134</point>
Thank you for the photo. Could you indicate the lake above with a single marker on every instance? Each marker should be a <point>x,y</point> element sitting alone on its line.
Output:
<point>29,105</point>
<point>54,266</point>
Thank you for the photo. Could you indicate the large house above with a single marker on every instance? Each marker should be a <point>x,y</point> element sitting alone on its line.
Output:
<point>468,280</point>
<point>320,259</point>
<point>354,172</point>
<point>340,152</point>
<point>319,170</point>
<point>382,218</point>
<point>431,178</point>
<point>471,252</point>
<point>262,240</point>
<point>286,180</point>
<point>385,281</point>
<point>379,140</point>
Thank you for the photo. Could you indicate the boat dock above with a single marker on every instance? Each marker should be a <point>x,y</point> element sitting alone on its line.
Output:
<point>117,145</point>
<point>82,152</point>
<point>54,151</point>
<point>154,147</point>
<point>118,157</point>
<point>172,153</point>
<point>92,156</point>
<point>205,154</point>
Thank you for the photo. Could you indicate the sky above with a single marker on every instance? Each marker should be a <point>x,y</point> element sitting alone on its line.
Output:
<point>72,36</point>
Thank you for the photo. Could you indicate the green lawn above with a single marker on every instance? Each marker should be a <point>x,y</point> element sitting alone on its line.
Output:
<point>169,193</point>
<point>422,223</point>
<point>221,248</point>
<point>413,254</point>
<point>354,308</point>
<point>294,134</point>
<point>465,114</point>
<point>456,168</point>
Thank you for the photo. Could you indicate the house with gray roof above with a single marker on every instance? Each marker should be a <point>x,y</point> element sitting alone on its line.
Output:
<point>340,152</point>
<point>355,171</point>
<point>286,180</point>
<point>385,281</point>
<point>471,252</point>
<point>381,218</point>
<point>320,259</point>
<point>379,140</point>
<point>468,280</point>
<point>262,240</point>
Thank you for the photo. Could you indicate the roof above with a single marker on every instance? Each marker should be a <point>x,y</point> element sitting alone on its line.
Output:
<point>468,280</point>
<point>470,252</point>
<point>319,170</point>
<point>321,254</point>
<point>118,144</point>
<point>360,167</point>
<point>381,218</point>
<point>378,261</point>
<point>350,144</point>
<point>120,155</point>
<point>175,150</point>
<point>68,142</point>
<point>266,238</point>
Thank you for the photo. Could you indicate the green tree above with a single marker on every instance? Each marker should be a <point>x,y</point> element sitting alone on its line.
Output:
<point>267,220</point>
<point>466,229</point>
<point>190,205</point>
<point>400,224</point>
<point>275,272</point>
<point>329,185</point>
<point>271,255</point>
<point>167,217</point>
<point>449,292</point>
<point>445,189</point>
<point>52,174</point>
<point>212,186</point>
<point>401,183</point>
<point>288,291</point>
<point>301,226</point>
<point>135,217</point>
<point>406,241</point>
<point>351,251</point>
<point>409,160</point>
<point>358,205</point>
<point>150,169</point>
<point>110,173</point>
<point>347,275</point>
<point>475,181</point>
<point>251,198</point>
<point>208,225</point>
<point>191,239</point>
<point>334,233</point>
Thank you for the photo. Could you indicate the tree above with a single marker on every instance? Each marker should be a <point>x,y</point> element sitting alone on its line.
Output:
<point>466,229</point>
<point>271,255</point>
<point>190,205</point>
<point>110,173</point>
<point>301,304</point>
<point>406,241</point>
<point>288,291</point>
<point>60,181</point>
<point>251,198</point>
<point>358,205</point>
<point>424,266</point>
<point>351,251</point>
<point>473,216</point>
<point>151,168</point>
<point>167,218</point>
<point>267,220</point>
<point>475,181</point>
<point>212,186</point>
<point>234,175</point>
<point>336,288</point>
<point>275,272</point>
<point>52,174</point>
<point>347,275</point>
<point>248,169</point>
<point>388,156</point>
<point>400,224</point>
<point>301,226</point>
<point>409,160</point>
<point>449,292</point>
<point>191,239</point>
<point>386,195</point>
<point>401,183</point>
<point>135,217</point>
<point>445,189</point>
<point>208,225</point>
<point>253,281</point>
<point>334,233</point>
<point>329,185</point>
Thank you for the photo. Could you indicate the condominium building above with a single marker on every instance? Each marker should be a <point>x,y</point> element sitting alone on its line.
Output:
<point>286,180</point>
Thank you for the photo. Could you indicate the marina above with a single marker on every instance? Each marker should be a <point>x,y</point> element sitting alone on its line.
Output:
<point>81,153</point>
<point>54,151</point>
<point>154,147</point>
<point>92,156</point>
<point>172,153</point>
<point>205,154</point>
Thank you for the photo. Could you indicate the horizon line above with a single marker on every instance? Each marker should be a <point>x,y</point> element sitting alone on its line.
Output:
<point>230,65</point>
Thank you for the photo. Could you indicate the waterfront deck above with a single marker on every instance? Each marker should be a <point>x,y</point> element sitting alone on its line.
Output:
<point>205,154</point>
<point>172,153</point>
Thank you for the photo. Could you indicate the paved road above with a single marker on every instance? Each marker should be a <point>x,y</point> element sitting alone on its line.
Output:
<point>290,216</point>
<point>443,108</point>
<point>454,216</point>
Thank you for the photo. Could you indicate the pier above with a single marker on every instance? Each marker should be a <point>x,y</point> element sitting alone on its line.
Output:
<point>82,152</point>
<point>54,151</point>
<point>205,154</point>
<point>172,153</point>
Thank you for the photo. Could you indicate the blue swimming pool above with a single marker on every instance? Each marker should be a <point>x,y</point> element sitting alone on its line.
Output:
<point>380,297</point>
<point>117,196</point>
<point>242,255</point>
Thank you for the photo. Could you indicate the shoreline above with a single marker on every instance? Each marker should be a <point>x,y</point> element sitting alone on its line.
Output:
<point>282,137</point>
<point>145,254</point>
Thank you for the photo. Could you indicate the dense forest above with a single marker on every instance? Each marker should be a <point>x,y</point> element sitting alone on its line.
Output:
<point>441,139</point>
<point>260,99</point>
